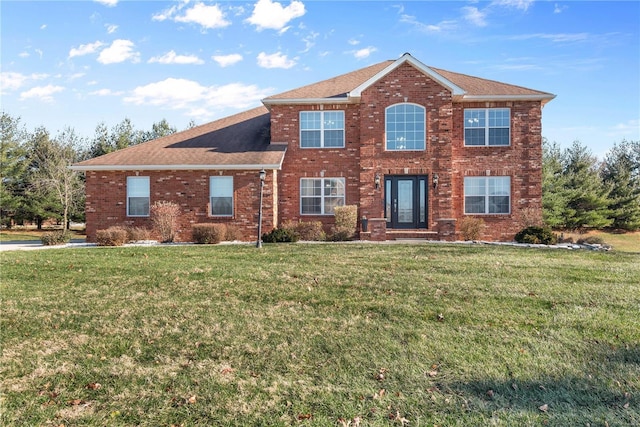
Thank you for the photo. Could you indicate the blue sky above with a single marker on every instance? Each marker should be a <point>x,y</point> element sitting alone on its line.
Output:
<point>79,63</point>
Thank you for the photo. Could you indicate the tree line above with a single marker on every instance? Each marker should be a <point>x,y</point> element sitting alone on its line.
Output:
<point>578,190</point>
<point>36,183</point>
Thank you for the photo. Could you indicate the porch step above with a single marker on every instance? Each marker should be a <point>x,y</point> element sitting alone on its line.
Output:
<point>411,234</point>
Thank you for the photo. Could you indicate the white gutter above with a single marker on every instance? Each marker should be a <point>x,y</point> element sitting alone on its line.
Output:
<point>277,166</point>
<point>306,101</point>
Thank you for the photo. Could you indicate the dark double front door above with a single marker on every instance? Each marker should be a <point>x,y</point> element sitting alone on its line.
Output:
<point>405,201</point>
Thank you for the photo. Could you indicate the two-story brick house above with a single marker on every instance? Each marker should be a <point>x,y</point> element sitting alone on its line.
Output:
<point>416,148</point>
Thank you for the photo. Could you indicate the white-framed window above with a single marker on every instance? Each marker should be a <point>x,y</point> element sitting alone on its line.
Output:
<point>138,196</point>
<point>318,196</point>
<point>221,195</point>
<point>405,127</point>
<point>487,126</point>
<point>322,129</point>
<point>487,195</point>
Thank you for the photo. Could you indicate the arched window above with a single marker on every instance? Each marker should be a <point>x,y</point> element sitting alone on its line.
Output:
<point>405,127</point>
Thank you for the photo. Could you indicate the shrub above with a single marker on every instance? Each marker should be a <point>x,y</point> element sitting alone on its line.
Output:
<point>536,235</point>
<point>112,236</point>
<point>346,222</point>
<point>471,228</point>
<point>58,237</point>
<point>310,230</point>
<point>136,234</point>
<point>165,218</point>
<point>280,235</point>
<point>233,233</point>
<point>209,233</point>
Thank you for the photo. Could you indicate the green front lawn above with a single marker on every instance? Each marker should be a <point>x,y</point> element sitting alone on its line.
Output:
<point>320,334</point>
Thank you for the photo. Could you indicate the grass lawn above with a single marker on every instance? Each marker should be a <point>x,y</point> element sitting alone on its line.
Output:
<point>29,234</point>
<point>621,242</point>
<point>320,335</point>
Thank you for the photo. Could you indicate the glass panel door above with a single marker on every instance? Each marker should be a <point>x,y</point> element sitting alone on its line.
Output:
<point>405,201</point>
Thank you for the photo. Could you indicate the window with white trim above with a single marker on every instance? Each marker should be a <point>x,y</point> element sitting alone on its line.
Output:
<point>487,195</point>
<point>319,196</point>
<point>405,127</point>
<point>221,195</point>
<point>138,196</point>
<point>487,127</point>
<point>322,129</point>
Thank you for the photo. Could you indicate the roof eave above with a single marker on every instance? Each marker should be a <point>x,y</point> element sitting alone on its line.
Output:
<point>306,101</point>
<point>546,97</point>
<point>121,168</point>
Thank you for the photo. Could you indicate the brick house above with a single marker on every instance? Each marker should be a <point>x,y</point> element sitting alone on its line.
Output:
<point>416,148</point>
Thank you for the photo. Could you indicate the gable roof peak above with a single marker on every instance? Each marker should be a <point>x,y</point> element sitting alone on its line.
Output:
<point>408,58</point>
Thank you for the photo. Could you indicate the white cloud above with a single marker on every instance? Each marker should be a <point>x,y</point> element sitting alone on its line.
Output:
<point>275,60</point>
<point>119,51</point>
<point>108,3</point>
<point>44,93</point>
<point>554,37</point>
<point>172,58</point>
<point>43,26</point>
<point>23,54</point>
<point>310,41</point>
<point>518,4</point>
<point>447,25</point>
<point>364,53</point>
<point>111,28</point>
<point>105,92</point>
<point>12,81</point>
<point>85,49</point>
<point>39,52</point>
<point>559,8</point>
<point>195,99</point>
<point>629,129</point>
<point>208,17</point>
<point>353,42</point>
<point>271,15</point>
<point>227,60</point>
<point>474,16</point>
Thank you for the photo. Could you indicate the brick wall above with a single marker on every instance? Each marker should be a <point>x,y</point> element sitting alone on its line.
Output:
<point>107,197</point>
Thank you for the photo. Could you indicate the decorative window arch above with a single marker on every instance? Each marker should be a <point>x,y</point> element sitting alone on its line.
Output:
<point>405,128</point>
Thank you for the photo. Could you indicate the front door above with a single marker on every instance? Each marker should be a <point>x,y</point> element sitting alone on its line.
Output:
<point>405,201</point>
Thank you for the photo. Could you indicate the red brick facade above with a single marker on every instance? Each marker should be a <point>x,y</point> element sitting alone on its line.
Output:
<point>363,158</point>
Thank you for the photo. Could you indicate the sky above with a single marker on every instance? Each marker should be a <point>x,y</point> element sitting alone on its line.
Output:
<point>81,63</point>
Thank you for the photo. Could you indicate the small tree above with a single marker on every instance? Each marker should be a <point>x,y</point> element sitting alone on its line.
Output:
<point>165,219</point>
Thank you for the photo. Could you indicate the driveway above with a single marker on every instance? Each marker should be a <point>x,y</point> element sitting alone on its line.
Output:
<point>29,245</point>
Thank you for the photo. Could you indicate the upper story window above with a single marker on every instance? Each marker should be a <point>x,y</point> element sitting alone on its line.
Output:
<point>405,127</point>
<point>221,195</point>
<point>487,126</point>
<point>318,196</point>
<point>138,196</point>
<point>487,195</point>
<point>322,129</point>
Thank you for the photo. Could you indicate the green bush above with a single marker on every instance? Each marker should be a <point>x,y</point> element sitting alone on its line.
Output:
<point>209,233</point>
<point>280,235</point>
<point>471,228</point>
<point>58,237</point>
<point>112,236</point>
<point>536,235</point>
<point>346,222</point>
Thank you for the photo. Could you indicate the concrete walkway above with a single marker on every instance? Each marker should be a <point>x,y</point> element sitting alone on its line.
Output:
<point>29,245</point>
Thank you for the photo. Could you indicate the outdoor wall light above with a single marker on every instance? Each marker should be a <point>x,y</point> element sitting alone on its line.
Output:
<point>435,180</point>
<point>263,176</point>
<point>377,181</point>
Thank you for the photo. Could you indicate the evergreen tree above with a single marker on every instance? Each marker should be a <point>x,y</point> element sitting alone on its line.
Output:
<point>621,170</point>
<point>554,202</point>
<point>586,194</point>
<point>12,168</point>
<point>158,130</point>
